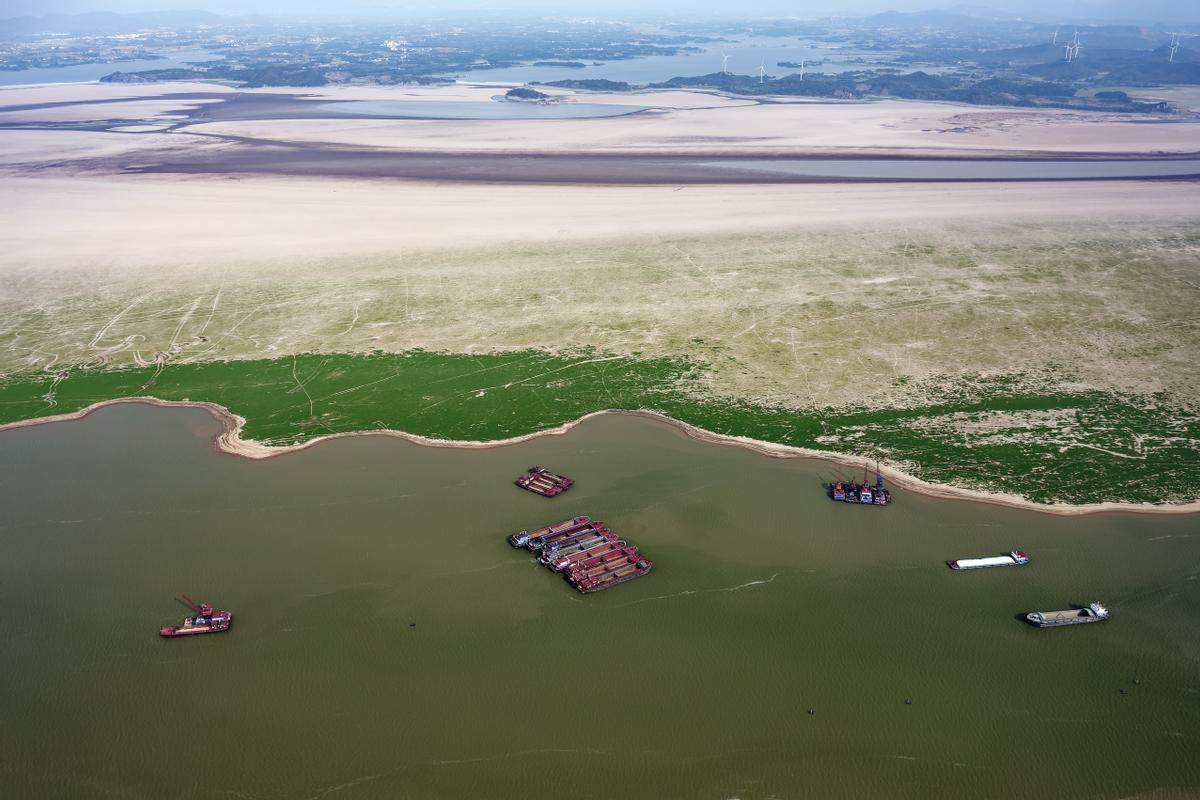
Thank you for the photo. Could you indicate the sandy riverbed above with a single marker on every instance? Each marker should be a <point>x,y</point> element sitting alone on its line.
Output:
<point>187,223</point>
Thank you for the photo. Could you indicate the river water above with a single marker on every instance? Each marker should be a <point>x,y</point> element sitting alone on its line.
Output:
<point>388,643</point>
<point>94,71</point>
<point>746,54</point>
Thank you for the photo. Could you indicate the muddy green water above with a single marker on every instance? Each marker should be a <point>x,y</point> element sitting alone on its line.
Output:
<point>387,643</point>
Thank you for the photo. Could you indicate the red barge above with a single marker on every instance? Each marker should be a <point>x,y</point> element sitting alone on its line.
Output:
<point>540,480</point>
<point>207,620</point>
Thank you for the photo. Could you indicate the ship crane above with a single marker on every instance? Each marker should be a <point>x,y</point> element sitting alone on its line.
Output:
<point>201,609</point>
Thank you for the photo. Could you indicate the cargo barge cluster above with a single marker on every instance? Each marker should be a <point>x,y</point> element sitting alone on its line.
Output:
<point>587,554</point>
<point>540,480</point>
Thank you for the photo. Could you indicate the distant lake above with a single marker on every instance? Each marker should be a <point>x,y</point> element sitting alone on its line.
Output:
<point>503,109</point>
<point>745,55</point>
<point>97,70</point>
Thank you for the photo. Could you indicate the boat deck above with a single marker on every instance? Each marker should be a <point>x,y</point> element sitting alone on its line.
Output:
<point>540,480</point>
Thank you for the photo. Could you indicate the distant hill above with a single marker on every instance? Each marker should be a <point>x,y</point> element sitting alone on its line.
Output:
<point>949,20</point>
<point>106,22</point>
<point>590,84</point>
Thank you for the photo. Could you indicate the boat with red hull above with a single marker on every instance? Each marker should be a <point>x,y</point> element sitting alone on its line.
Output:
<point>206,620</point>
<point>540,480</point>
<point>585,552</point>
<point>522,538</point>
<point>863,494</point>
<point>626,572</point>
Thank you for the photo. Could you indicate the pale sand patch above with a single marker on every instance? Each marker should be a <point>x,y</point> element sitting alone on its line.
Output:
<point>479,92</point>
<point>174,223</point>
<point>769,129</point>
<point>230,441</point>
<point>139,109</point>
<point>87,91</point>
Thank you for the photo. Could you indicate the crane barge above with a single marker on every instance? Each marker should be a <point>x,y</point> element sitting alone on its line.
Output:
<point>206,620</point>
<point>863,494</point>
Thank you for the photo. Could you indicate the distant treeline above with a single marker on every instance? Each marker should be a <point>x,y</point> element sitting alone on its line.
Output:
<point>916,86</point>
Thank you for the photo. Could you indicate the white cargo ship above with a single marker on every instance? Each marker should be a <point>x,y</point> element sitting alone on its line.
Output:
<point>1012,558</point>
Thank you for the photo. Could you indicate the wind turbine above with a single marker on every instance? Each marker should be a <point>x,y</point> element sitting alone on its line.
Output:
<point>1055,39</point>
<point>762,68</point>
<point>1068,55</point>
<point>724,63</point>
<point>802,69</point>
<point>1175,43</point>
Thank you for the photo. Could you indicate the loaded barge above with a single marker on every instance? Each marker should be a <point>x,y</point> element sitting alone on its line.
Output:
<point>1012,558</point>
<point>587,554</point>
<point>1072,616</point>
<point>540,480</point>
<point>207,620</point>
<point>861,493</point>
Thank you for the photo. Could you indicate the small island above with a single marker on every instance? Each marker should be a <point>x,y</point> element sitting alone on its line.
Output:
<point>522,94</point>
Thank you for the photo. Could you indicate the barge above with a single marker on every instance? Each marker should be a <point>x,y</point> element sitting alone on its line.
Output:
<point>590,540</point>
<point>540,480</point>
<point>1095,612</point>
<point>538,543</point>
<point>206,620</point>
<point>843,491</point>
<point>521,538</point>
<point>1013,558</point>
<point>610,579</point>
<point>589,557</point>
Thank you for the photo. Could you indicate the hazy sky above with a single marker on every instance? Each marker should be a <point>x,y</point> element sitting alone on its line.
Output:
<point>1138,10</point>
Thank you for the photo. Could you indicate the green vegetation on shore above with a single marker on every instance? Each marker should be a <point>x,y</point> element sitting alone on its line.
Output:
<point>994,434</point>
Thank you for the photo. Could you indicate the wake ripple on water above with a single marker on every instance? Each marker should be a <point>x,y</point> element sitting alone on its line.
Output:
<point>688,592</point>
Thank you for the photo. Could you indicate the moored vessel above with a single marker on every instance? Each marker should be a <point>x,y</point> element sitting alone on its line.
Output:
<point>1095,612</point>
<point>521,538</point>
<point>206,620</point>
<point>864,494</point>
<point>626,572</point>
<point>540,480</point>
<point>1012,558</point>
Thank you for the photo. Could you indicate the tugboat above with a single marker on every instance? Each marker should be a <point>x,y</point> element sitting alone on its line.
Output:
<point>207,620</point>
<point>1072,616</point>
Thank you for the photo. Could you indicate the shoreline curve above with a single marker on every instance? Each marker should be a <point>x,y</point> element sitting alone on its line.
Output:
<point>230,442</point>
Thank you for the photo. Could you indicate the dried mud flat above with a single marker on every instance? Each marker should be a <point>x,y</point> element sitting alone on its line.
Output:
<point>229,441</point>
<point>852,296</point>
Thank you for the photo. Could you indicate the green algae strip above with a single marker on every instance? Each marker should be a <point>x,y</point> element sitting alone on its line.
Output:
<point>1050,447</point>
